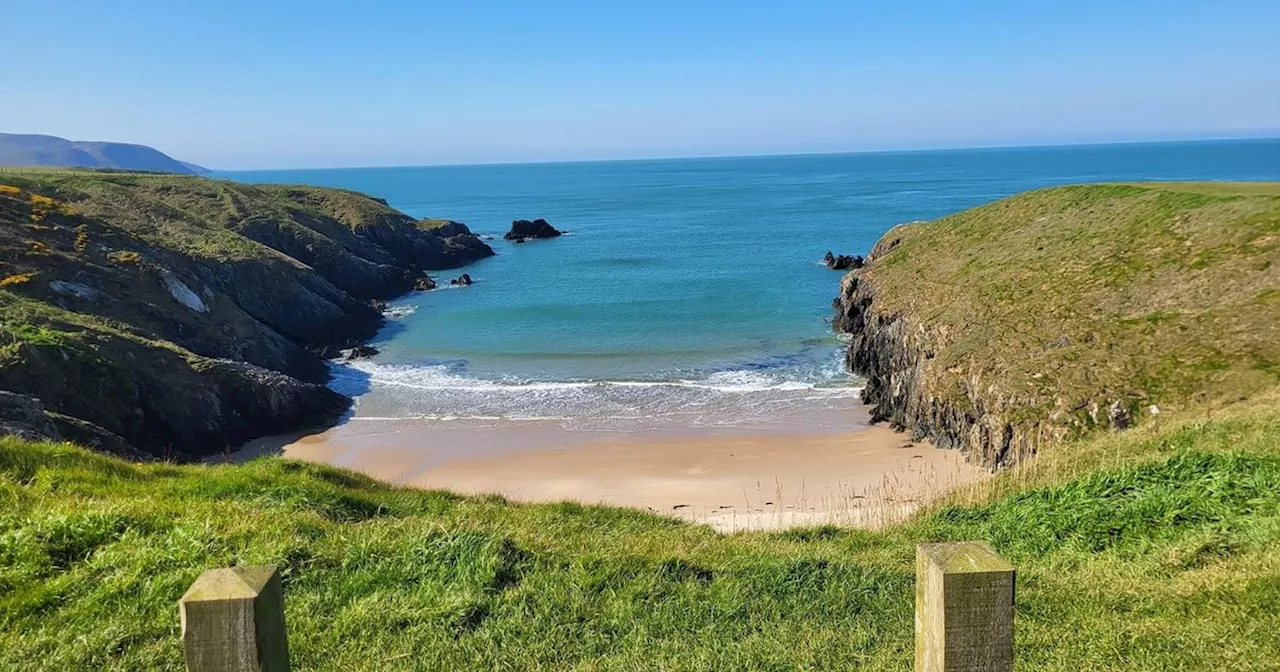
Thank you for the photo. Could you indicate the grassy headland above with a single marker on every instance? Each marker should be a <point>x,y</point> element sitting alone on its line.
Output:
<point>1008,327</point>
<point>180,315</point>
<point>1148,549</point>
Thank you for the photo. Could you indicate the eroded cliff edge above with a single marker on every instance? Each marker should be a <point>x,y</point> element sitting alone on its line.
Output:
<point>180,315</point>
<point>1005,329</point>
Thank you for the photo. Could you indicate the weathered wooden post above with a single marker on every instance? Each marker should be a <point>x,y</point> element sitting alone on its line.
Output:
<point>233,621</point>
<point>964,608</point>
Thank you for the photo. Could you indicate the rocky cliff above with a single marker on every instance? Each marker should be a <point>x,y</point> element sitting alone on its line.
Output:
<point>186,315</point>
<point>1006,328</point>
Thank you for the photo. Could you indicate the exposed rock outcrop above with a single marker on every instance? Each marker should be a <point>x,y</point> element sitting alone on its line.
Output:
<point>359,352</point>
<point>27,418</point>
<point>523,229</point>
<point>463,280</point>
<point>842,262</point>
<point>24,417</point>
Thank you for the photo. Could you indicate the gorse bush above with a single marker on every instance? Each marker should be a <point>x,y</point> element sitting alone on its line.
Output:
<point>16,279</point>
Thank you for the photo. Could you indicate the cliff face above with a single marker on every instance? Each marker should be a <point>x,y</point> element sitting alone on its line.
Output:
<point>894,353</point>
<point>1007,328</point>
<point>186,315</point>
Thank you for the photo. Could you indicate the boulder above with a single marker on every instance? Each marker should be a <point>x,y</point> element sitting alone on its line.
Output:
<point>424,283</point>
<point>523,229</point>
<point>462,281</point>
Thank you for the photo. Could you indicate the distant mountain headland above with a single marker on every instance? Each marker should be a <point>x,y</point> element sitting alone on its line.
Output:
<point>18,149</point>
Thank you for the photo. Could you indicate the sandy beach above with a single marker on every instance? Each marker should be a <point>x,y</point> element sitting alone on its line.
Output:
<point>745,481</point>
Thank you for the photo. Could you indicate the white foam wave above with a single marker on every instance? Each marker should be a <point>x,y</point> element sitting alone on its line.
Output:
<point>457,418</point>
<point>439,377</point>
<point>756,397</point>
<point>395,312</point>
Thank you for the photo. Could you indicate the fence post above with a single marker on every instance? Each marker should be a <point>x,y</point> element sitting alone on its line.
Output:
<point>964,608</point>
<point>233,621</point>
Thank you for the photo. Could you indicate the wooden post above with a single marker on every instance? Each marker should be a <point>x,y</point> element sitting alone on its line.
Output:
<point>233,621</point>
<point>964,608</point>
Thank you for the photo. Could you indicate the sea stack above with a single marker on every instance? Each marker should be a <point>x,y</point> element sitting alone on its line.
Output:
<point>842,262</point>
<point>523,229</point>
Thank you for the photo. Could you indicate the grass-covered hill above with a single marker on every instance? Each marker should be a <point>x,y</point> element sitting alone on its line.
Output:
<point>181,315</point>
<point>31,150</point>
<point>1009,327</point>
<point>1153,549</point>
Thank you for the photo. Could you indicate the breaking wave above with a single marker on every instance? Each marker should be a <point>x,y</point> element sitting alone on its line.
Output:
<point>739,397</point>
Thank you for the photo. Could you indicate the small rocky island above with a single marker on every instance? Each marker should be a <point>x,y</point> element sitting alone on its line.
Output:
<point>523,229</point>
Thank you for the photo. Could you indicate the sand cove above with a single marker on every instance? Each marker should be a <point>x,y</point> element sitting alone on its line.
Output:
<point>732,481</point>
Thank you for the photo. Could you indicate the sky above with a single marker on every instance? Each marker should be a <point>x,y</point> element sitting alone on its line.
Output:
<point>238,84</point>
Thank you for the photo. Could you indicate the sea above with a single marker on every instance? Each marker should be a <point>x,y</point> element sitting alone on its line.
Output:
<point>687,294</point>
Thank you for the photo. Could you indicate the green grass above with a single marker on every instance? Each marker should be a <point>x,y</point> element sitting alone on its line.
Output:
<point>1045,308</point>
<point>1153,549</point>
<point>201,217</point>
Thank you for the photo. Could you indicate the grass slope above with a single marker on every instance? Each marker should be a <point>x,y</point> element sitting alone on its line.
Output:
<point>1041,313</point>
<point>1154,549</point>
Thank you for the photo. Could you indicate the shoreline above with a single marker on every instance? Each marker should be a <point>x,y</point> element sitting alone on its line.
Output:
<point>866,477</point>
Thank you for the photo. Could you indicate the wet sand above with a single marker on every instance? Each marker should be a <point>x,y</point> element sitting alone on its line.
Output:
<point>733,481</point>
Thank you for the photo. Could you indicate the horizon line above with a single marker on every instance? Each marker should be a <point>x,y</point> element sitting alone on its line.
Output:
<point>1262,136</point>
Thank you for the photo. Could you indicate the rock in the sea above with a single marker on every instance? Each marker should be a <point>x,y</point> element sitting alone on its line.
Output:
<point>462,281</point>
<point>359,352</point>
<point>842,262</point>
<point>523,229</point>
<point>424,283</point>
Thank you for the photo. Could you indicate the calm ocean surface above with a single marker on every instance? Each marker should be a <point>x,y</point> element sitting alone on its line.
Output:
<point>688,293</point>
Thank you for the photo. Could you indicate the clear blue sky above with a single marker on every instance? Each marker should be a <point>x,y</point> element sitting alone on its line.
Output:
<point>239,84</point>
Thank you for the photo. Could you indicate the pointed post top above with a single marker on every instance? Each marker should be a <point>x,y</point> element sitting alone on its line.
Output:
<point>229,583</point>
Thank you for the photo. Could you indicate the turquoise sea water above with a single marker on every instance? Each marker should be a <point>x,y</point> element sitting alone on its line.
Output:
<point>688,293</point>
